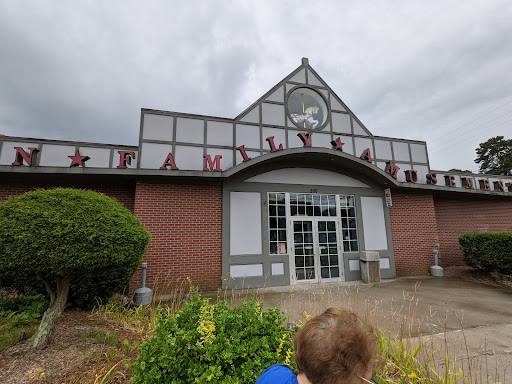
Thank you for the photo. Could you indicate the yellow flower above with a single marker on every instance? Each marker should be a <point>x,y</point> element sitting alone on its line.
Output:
<point>42,374</point>
<point>413,375</point>
<point>288,356</point>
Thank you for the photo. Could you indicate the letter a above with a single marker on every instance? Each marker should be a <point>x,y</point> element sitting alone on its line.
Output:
<point>169,160</point>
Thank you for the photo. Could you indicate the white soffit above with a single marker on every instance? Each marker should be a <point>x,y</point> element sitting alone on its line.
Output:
<point>306,176</point>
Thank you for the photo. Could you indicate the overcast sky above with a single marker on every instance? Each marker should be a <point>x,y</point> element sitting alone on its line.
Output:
<point>438,71</point>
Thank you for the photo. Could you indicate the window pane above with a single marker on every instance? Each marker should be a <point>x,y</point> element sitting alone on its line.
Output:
<point>335,272</point>
<point>273,248</point>
<point>331,226</point>
<point>325,273</point>
<point>273,222</point>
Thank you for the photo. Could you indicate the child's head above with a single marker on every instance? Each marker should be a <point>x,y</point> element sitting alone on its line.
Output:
<point>335,347</point>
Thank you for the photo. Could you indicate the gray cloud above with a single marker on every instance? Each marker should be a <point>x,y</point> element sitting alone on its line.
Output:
<point>82,70</point>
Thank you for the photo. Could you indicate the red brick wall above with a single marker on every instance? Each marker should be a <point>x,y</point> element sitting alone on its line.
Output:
<point>414,231</point>
<point>455,216</point>
<point>185,222</point>
<point>123,193</point>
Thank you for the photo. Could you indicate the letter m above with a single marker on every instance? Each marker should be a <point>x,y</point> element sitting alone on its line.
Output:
<point>391,169</point>
<point>210,165</point>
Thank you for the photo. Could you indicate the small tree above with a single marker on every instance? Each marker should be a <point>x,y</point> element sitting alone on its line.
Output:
<point>58,235</point>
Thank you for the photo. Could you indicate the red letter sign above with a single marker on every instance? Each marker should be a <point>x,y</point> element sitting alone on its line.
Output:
<point>391,169</point>
<point>169,160</point>
<point>449,180</point>
<point>125,158</point>
<point>467,182</point>
<point>244,155</point>
<point>305,138</point>
<point>22,155</point>
<point>432,178</point>
<point>498,185</point>
<point>484,184</point>
<point>210,165</point>
<point>411,176</point>
<point>366,155</point>
<point>272,145</point>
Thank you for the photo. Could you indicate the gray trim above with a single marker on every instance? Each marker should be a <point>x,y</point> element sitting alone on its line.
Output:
<point>266,259</point>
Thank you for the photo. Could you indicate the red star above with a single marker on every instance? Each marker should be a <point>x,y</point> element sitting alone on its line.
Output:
<point>337,144</point>
<point>78,160</point>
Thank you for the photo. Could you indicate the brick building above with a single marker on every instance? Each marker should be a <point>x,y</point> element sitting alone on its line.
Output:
<point>290,191</point>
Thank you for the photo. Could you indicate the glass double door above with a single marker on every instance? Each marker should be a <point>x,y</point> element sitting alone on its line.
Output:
<point>316,252</point>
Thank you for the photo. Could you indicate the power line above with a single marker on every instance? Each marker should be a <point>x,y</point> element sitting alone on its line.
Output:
<point>462,126</point>
<point>469,138</point>
<point>471,130</point>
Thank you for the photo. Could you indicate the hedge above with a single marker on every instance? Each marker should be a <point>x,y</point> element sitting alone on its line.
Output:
<point>490,251</point>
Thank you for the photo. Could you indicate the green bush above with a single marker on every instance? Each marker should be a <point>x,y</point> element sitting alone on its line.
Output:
<point>23,308</point>
<point>490,251</point>
<point>85,235</point>
<point>206,342</point>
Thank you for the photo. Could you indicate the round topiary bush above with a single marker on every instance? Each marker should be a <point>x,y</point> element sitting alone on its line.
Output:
<point>62,237</point>
<point>214,343</point>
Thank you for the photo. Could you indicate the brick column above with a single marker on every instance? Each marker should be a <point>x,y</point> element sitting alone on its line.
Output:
<point>414,232</point>
<point>185,222</point>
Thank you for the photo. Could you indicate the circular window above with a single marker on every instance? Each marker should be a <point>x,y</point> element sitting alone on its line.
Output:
<point>307,108</point>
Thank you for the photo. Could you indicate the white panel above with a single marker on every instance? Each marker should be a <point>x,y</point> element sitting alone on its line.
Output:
<point>152,155</point>
<point>190,131</point>
<point>306,176</point>
<point>226,161</point>
<point>219,133</point>
<point>348,147</point>
<point>279,137</point>
<point>419,153</point>
<point>248,135</point>
<point>353,265</point>
<point>133,164</point>
<point>358,130</point>
<point>8,155</point>
<point>313,80</point>
<point>300,77</point>
<point>362,144</point>
<point>335,104</point>
<point>158,127</point>
<point>56,155</point>
<point>422,173</point>
<point>245,223</point>
<point>383,149</point>
<point>374,225</point>
<point>400,176</point>
<point>277,95</point>
<point>277,268</point>
<point>384,263</point>
<point>401,151</point>
<point>294,141</point>
<point>272,114</point>
<point>251,154</point>
<point>341,122</point>
<point>189,158</point>
<point>247,270</point>
<point>322,140</point>
<point>99,157</point>
<point>253,116</point>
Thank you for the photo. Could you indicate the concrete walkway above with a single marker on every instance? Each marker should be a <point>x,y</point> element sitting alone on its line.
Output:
<point>467,320</point>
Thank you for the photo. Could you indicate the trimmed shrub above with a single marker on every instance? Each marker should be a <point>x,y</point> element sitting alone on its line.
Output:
<point>82,234</point>
<point>490,251</point>
<point>206,342</point>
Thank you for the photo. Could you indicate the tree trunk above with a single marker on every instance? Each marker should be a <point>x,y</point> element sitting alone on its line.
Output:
<point>57,304</point>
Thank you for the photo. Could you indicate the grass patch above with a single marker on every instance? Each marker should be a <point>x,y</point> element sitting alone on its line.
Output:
<point>13,331</point>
